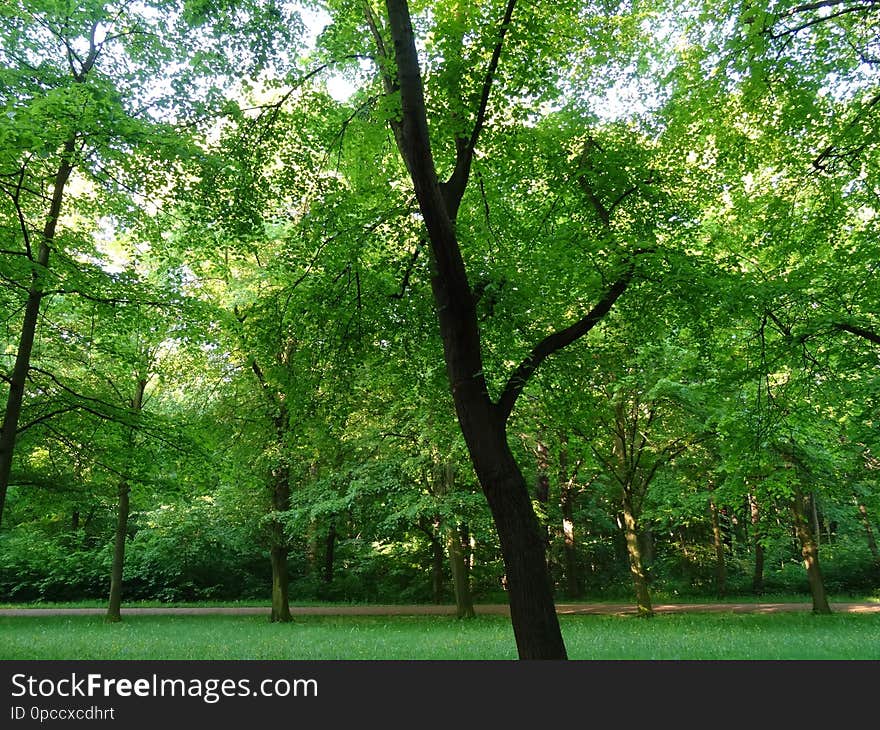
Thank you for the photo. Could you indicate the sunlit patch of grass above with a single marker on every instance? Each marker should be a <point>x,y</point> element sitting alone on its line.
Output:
<point>667,637</point>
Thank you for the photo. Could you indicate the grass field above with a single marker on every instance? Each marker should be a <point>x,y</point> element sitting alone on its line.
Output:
<point>723,636</point>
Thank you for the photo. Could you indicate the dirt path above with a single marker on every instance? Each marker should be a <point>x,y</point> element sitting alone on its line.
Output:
<point>563,609</point>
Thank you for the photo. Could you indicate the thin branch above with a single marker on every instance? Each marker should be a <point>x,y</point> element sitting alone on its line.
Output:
<point>453,189</point>
<point>79,396</point>
<point>45,417</point>
<point>816,21</point>
<point>556,341</point>
<point>620,198</point>
<point>806,7</point>
<point>819,162</point>
<point>404,285</point>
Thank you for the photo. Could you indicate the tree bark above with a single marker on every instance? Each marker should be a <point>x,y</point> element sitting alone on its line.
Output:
<point>809,553</point>
<point>114,604</point>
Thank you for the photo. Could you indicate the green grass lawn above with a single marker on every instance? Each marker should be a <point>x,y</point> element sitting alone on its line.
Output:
<point>696,636</point>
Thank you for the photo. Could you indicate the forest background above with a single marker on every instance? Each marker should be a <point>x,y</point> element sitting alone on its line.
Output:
<point>448,301</point>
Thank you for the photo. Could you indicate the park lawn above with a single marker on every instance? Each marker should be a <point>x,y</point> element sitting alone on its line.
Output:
<point>723,636</point>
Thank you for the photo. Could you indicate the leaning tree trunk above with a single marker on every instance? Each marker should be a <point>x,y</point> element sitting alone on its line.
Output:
<point>718,542</point>
<point>532,610</point>
<point>810,553</point>
<point>21,368</point>
<point>114,604</point>
<point>278,549</point>
<point>483,422</point>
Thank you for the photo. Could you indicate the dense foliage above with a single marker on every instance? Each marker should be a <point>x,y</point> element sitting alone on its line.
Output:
<point>216,266</point>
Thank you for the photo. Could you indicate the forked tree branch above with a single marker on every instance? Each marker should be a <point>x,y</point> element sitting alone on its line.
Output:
<point>453,189</point>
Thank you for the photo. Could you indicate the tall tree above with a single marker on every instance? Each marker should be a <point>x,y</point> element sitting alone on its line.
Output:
<point>483,420</point>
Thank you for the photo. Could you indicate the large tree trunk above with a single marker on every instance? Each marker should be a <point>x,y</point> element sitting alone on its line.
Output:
<point>809,553</point>
<point>718,542</point>
<point>21,368</point>
<point>114,604</point>
<point>278,549</point>
<point>636,564</point>
<point>757,537</point>
<point>532,611</point>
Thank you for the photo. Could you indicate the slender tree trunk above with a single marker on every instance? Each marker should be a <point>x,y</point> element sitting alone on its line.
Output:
<point>542,497</point>
<point>114,604</point>
<point>814,514</point>
<point>21,368</point>
<point>573,584</point>
<point>574,588</point>
<point>329,552</point>
<point>122,507</point>
<point>461,584</point>
<point>460,578</point>
<point>869,533</point>
<point>636,565</point>
<point>313,540</point>
<point>278,549</point>
<point>758,537</point>
<point>718,542</point>
<point>542,482</point>
<point>809,553</point>
<point>438,560</point>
